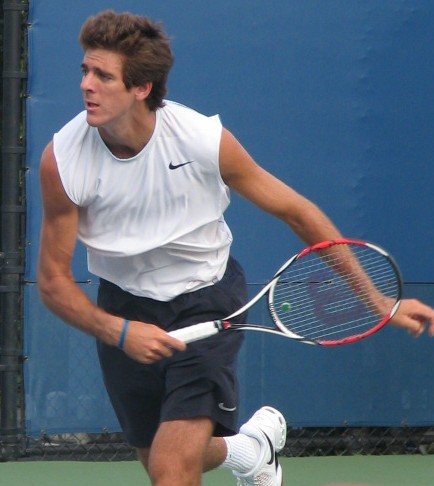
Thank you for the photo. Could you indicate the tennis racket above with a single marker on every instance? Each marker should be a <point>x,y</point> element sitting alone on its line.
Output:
<point>333,293</point>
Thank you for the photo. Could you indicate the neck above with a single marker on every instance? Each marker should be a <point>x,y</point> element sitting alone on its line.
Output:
<point>129,139</point>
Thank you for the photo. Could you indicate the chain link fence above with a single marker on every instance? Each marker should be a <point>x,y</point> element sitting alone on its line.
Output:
<point>301,442</point>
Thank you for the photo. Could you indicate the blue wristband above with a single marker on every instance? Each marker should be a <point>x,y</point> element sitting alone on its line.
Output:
<point>123,334</point>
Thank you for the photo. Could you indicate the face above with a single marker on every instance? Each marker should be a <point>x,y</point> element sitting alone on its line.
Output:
<point>106,99</point>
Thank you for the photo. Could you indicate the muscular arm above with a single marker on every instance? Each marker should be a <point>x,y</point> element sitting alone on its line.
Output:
<point>244,176</point>
<point>60,293</point>
<point>249,180</point>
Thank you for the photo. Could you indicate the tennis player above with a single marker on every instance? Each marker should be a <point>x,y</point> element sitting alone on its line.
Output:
<point>144,183</point>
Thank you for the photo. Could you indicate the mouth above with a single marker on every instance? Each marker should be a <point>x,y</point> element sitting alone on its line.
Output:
<point>90,105</point>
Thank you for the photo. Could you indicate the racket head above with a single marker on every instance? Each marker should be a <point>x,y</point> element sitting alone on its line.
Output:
<point>318,297</point>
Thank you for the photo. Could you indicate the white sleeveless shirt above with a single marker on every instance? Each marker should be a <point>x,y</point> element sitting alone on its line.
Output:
<point>152,224</point>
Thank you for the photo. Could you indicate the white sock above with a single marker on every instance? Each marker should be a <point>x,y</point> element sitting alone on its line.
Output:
<point>243,453</point>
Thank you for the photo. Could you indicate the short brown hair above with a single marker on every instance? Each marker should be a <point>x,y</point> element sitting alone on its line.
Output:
<point>141,42</point>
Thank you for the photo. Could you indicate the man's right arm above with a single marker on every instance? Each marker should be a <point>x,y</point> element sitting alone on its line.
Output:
<point>58,290</point>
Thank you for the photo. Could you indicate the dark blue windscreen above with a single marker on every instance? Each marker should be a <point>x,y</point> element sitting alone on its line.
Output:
<point>333,97</point>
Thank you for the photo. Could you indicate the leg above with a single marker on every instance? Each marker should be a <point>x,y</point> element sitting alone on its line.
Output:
<point>179,452</point>
<point>250,454</point>
<point>214,456</point>
<point>143,455</point>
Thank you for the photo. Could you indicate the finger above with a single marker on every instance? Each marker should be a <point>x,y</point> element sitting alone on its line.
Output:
<point>417,330</point>
<point>414,326</point>
<point>164,351</point>
<point>154,356</point>
<point>174,343</point>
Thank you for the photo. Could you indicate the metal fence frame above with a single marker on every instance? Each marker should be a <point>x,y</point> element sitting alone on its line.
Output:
<point>12,226</point>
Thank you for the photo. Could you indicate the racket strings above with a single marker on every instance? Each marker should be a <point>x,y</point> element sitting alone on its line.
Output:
<point>316,299</point>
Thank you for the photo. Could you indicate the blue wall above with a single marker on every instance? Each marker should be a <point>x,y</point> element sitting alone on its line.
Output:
<point>334,97</point>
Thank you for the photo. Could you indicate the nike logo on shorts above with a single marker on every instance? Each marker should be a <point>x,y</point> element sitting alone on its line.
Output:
<point>226,409</point>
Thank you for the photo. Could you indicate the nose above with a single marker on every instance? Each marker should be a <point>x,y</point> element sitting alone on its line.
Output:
<point>86,82</point>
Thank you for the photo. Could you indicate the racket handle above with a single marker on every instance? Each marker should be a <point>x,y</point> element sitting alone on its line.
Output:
<point>197,331</point>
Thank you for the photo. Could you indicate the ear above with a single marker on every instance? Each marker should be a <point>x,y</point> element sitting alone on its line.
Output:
<point>142,92</point>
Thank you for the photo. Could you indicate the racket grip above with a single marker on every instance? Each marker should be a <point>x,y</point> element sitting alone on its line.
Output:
<point>197,331</point>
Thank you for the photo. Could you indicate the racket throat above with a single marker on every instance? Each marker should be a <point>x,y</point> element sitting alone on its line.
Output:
<point>222,325</point>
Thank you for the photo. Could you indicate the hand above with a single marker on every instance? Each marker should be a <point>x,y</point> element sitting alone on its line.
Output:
<point>414,316</point>
<point>147,343</point>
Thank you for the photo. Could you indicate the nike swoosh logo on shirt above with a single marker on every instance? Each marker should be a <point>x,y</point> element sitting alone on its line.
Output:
<point>173,166</point>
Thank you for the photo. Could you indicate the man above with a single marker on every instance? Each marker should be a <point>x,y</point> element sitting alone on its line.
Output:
<point>144,183</point>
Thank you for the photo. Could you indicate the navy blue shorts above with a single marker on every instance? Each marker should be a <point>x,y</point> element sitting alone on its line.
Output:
<point>200,382</point>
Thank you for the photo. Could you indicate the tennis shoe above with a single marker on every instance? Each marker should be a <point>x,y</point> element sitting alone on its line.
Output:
<point>268,427</point>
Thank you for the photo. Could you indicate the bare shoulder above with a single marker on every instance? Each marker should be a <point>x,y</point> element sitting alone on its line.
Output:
<point>53,194</point>
<point>48,167</point>
<point>235,161</point>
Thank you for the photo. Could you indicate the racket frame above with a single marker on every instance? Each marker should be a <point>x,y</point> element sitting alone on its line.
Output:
<point>205,329</point>
<point>323,246</point>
